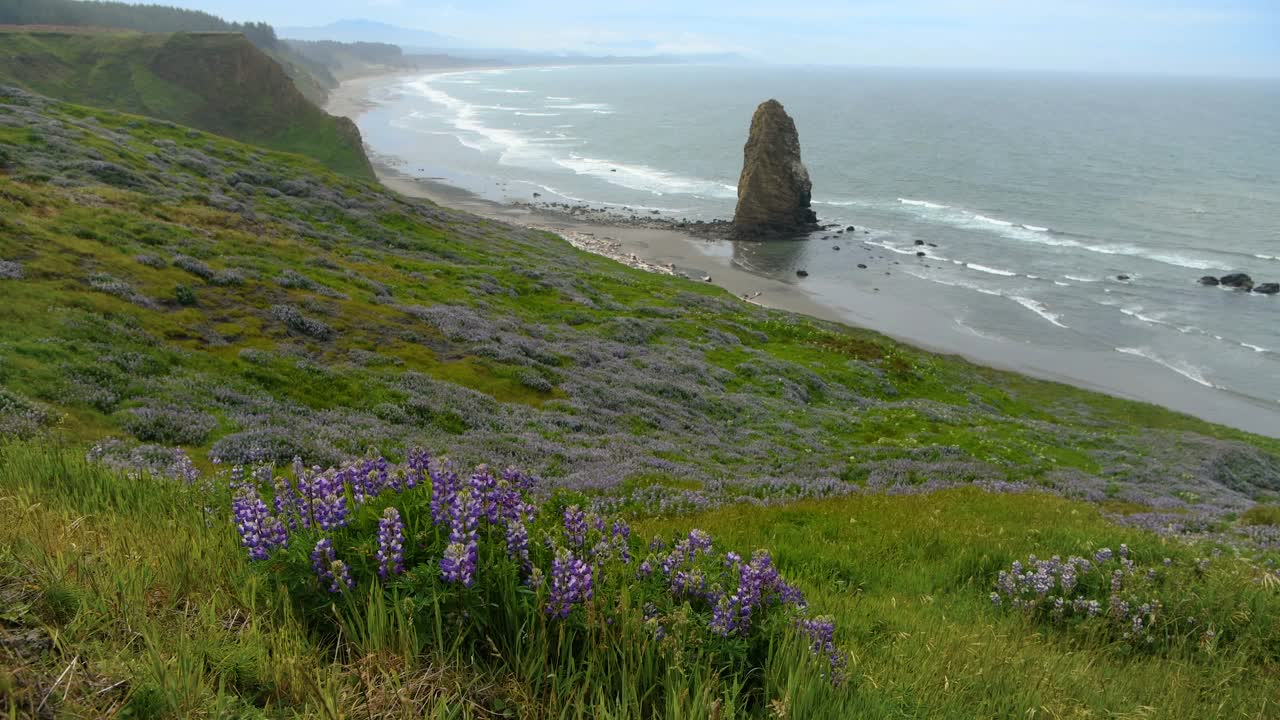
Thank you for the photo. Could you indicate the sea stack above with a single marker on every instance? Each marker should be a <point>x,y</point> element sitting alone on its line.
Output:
<point>774,191</point>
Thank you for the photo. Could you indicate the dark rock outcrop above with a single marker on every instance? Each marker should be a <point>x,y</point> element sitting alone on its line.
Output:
<point>1267,288</point>
<point>1237,280</point>
<point>774,191</point>
<point>1209,280</point>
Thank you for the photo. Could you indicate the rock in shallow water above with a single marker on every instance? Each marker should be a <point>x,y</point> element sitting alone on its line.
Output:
<point>1209,280</point>
<point>1267,288</point>
<point>1237,280</point>
<point>774,191</point>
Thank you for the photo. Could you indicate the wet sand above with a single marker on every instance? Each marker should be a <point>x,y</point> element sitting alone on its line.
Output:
<point>903,307</point>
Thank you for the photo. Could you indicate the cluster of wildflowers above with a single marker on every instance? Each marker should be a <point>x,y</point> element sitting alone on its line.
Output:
<point>1110,586</point>
<point>565,558</point>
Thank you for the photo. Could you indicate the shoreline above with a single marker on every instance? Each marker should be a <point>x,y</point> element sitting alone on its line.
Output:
<point>904,308</point>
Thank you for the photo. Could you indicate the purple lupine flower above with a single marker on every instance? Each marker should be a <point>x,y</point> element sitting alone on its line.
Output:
<point>332,573</point>
<point>483,486</point>
<point>259,531</point>
<point>657,544</point>
<point>341,575</point>
<point>518,543</point>
<point>1102,555</point>
<point>645,569</point>
<point>571,583</point>
<point>286,501</point>
<point>330,507</point>
<point>575,526</point>
<point>444,491</point>
<point>821,634</point>
<point>417,465</point>
<point>390,543</point>
<point>460,557</point>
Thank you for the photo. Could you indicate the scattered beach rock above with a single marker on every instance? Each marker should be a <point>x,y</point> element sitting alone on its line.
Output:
<point>919,242</point>
<point>835,247</point>
<point>922,254</point>
<point>1209,280</point>
<point>774,191</point>
<point>1240,281</point>
<point>861,266</point>
<point>1267,288</point>
<point>851,229</point>
<point>802,273</point>
<point>1123,278</point>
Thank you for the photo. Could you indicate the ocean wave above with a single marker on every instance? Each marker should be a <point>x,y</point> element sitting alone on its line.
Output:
<point>645,178</point>
<point>1042,235</point>
<point>923,203</point>
<point>526,113</point>
<point>1186,370</point>
<point>1082,279</point>
<point>507,91</point>
<point>1256,348</point>
<point>580,106</point>
<point>554,98</point>
<point>1260,256</point>
<point>1136,312</point>
<point>991,270</point>
<point>1039,309</point>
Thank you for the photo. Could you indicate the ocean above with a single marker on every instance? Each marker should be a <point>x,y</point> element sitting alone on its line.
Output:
<point>1061,212</point>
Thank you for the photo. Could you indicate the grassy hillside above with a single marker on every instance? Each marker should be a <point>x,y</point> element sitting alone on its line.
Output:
<point>219,82</point>
<point>165,287</point>
<point>313,80</point>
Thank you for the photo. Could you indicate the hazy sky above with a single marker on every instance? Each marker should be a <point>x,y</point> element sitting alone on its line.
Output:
<point>1235,37</point>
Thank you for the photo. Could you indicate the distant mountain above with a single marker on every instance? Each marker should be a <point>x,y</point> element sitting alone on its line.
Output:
<point>351,31</point>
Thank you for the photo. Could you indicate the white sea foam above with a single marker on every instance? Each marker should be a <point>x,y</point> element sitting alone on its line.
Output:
<point>1082,279</point>
<point>890,248</point>
<point>994,221</point>
<point>507,91</point>
<point>645,178</point>
<point>991,270</point>
<point>580,106</point>
<point>526,113</point>
<point>1255,348</point>
<point>464,118</point>
<point>1038,309</point>
<point>1059,283</point>
<point>1190,372</point>
<point>923,203</point>
<point>555,98</point>
<point>1136,312</point>
<point>1040,235</point>
<point>1260,256</point>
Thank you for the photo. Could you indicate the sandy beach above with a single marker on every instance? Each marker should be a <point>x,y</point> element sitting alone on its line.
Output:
<point>900,306</point>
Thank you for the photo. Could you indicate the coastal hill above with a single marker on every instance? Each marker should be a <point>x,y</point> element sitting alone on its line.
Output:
<point>215,81</point>
<point>169,288</point>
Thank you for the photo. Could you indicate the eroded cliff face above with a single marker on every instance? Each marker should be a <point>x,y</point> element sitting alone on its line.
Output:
<point>774,191</point>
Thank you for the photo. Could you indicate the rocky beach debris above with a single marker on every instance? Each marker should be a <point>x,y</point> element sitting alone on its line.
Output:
<point>774,190</point>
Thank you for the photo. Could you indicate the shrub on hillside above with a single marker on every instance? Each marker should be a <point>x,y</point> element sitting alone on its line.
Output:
<point>21,417</point>
<point>301,324</point>
<point>169,426</point>
<point>1159,605</point>
<point>10,270</point>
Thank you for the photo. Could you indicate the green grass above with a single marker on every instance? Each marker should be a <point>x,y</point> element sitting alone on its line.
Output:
<point>158,614</point>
